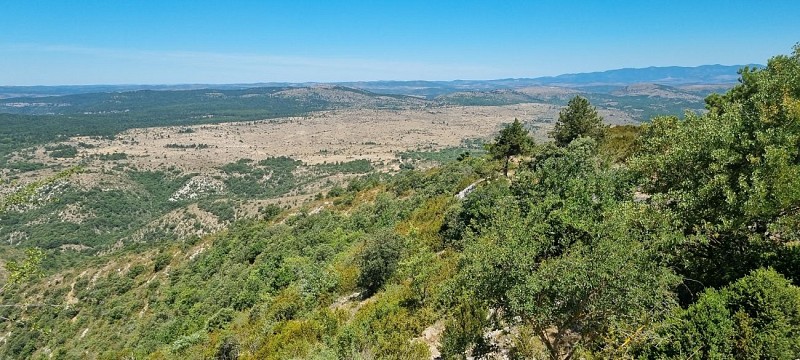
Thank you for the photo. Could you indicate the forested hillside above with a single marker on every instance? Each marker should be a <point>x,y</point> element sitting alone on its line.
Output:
<point>675,239</point>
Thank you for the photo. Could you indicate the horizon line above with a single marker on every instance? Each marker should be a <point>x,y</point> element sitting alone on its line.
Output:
<point>377,81</point>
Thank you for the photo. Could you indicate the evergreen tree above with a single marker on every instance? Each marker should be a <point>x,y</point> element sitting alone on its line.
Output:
<point>578,119</point>
<point>513,140</point>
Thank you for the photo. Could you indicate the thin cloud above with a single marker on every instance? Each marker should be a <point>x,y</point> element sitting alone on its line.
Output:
<point>196,66</point>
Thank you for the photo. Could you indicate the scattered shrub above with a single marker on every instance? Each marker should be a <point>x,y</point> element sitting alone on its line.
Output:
<point>378,261</point>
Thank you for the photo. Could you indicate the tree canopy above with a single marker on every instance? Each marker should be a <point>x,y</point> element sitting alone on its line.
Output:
<point>566,256</point>
<point>756,317</point>
<point>578,119</point>
<point>732,176</point>
<point>513,140</point>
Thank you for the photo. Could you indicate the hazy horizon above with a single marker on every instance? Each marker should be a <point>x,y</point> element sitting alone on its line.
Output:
<point>357,81</point>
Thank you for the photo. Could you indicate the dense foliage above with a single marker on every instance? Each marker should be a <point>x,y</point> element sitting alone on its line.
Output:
<point>513,140</point>
<point>578,119</point>
<point>756,317</point>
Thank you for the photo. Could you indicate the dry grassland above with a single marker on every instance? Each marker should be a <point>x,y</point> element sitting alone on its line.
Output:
<point>328,136</point>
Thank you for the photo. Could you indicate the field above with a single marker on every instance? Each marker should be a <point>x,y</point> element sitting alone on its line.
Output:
<point>327,136</point>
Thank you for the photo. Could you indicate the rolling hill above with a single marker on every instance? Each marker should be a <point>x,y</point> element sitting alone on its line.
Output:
<point>670,75</point>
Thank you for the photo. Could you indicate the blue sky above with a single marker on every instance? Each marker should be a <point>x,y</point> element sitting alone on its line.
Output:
<point>196,41</point>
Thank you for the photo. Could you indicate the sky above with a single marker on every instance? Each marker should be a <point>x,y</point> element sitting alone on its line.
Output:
<point>80,42</point>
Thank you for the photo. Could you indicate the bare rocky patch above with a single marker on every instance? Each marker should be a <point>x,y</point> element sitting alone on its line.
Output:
<point>73,213</point>
<point>198,186</point>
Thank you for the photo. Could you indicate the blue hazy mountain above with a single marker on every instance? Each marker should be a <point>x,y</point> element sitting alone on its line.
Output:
<point>667,75</point>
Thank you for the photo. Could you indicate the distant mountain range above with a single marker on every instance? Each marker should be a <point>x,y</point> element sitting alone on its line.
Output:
<point>603,81</point>
<point>668,75</point>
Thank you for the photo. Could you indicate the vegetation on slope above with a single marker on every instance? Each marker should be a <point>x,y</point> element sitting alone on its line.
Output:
<point>134,206</point>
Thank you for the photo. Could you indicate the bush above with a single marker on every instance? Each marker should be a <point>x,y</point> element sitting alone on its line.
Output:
<point>474,213</point>
<point>62,151</point>
<point>136,270</point>
<point>184,342</point>
<point>270,211</point>
<point>161,261</point>
<point>220,319</point>
<point>113,156</point>
<point>336,191</point>
<point>224,210</point>
<point>227,350</point>
<point>360,166</point>
<point>464,330</point>
<point>378,261</point>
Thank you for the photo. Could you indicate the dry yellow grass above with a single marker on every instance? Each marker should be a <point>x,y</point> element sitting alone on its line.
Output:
<point>336,135</point>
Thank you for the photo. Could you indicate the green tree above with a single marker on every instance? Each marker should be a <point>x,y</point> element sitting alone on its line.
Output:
<point>578,119</point>
<point>757,317</point>
<point>513,140</point>
<point>228,349</point>
<point>378,261</point>
<point>474,213</point>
